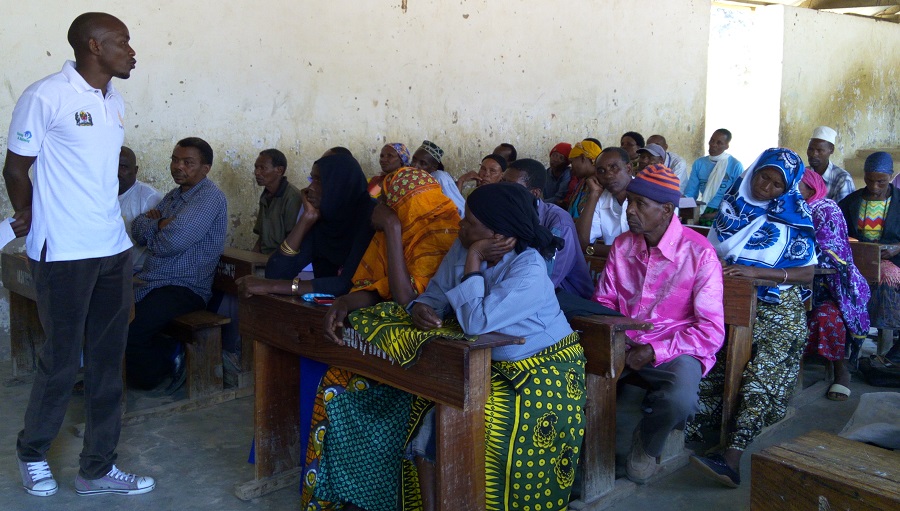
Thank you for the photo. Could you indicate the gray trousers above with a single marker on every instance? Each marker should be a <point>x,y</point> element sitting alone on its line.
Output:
<point>83,306</point>
<point>672,398</point>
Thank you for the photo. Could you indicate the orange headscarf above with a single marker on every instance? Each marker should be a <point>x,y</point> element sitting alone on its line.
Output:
<point>430,223</point>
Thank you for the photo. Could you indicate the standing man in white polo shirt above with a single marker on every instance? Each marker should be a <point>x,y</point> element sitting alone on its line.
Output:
<point>70,126</point>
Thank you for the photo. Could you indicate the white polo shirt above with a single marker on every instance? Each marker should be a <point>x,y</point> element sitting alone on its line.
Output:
<point>609,220</point>
<point>76,135</point>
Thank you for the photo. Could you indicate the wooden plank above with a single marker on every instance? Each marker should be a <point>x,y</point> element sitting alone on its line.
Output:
<point>17,275</point>
<point>822,471</point>
<point>461,472</point>
<point>259,487</point>
<point>603,339</point>
<point>233,264</point>
<point>738,345</point>
<point>277,411</point>
<point>867,257</point>
<point>204,363</point>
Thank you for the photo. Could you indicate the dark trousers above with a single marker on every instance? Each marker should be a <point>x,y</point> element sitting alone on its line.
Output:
<point>83,306</point>
<point>148,357</point>
<point>672,398</point>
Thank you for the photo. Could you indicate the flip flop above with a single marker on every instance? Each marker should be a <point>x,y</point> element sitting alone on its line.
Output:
<point>838,392</point>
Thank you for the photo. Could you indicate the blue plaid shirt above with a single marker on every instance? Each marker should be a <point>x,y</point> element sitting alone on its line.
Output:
<point>184,252</point>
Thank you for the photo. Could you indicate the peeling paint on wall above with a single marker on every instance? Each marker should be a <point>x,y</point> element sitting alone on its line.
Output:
<point>359,74</point>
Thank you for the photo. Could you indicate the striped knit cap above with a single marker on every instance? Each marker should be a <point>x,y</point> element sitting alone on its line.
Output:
<point>657,182</point>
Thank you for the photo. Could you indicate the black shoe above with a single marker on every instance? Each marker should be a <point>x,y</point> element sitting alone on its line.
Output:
<point>179,373</point>
<point>714,467</point>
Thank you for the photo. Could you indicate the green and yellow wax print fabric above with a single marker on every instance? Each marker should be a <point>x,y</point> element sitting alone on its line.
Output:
<point>389,327</point>
<point>534,425</point>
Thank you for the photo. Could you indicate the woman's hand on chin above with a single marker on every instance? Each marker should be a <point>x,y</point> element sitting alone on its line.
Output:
<point>494,248</point>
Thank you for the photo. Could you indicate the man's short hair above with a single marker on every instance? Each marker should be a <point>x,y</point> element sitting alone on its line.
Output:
<point>278,158</point>
<point>206,152</point>
<point>724,132</point>
<point>533,171</point>
<point>513,154</point>
<point>622,153</point>
<point>634,135</point>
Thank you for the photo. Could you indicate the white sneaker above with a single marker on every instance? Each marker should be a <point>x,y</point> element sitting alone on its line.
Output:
<point>115,481</point>
<point>37,478</point>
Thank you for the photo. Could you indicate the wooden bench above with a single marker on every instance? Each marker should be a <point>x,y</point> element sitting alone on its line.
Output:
<point>823,471</point>
<point>454,374</point>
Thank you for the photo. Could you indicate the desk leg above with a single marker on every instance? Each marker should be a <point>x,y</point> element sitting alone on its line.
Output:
<point>598,455</point>
<point>740,342</point>
<point>461,442</point>
<point>277,414</point>
<point>25,334</point>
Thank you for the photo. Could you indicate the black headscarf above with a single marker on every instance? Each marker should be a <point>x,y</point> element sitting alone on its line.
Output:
<point>509,209</point>
<point>345,204</point>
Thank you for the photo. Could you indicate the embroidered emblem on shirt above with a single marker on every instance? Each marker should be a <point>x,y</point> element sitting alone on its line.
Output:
<point>24,137</point>
<point>83,118</point>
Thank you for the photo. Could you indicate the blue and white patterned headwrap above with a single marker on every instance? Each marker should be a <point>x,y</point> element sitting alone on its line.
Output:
<point>778,233</point>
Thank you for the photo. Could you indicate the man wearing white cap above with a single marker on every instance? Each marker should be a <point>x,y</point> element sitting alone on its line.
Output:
<point>821,146</point>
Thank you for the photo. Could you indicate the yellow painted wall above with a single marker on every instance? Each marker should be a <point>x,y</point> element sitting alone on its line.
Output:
<point>844,72</point>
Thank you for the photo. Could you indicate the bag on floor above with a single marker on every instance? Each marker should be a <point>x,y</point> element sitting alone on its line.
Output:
<point>879,371</point>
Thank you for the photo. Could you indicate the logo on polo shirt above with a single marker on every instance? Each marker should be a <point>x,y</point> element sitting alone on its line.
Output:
<point>24,137</point>
<point>83,118</point>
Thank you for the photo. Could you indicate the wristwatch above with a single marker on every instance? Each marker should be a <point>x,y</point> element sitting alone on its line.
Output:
<point>589,250</point>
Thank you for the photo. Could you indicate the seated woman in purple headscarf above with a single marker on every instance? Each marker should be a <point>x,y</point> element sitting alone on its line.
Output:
<point>839,299</point>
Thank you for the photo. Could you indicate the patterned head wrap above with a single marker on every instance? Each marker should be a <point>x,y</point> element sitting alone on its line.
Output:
<point>406,183</point>
<point>880,162</point>
<point>812,179</point>
<point>777,233</point>
<point>658,183</point>
<point>402,152</point>
<point>587,148</point>
<point>509,209</point>
<point>431,148</point>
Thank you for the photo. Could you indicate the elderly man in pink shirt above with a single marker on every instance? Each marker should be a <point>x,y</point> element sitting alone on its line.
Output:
<point>669,276</point>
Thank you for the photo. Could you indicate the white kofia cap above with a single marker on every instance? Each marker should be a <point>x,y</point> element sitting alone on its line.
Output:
<point>825,133</point>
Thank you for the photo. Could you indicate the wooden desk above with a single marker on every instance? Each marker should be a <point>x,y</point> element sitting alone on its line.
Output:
<point>26,335</point>
<point>603,340</point>
<point>235,263</point>
<point>455,374</point>
<point>867,257</point>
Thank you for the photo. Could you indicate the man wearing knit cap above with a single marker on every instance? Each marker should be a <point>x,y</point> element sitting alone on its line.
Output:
<point>818,154</point>
<point>669,276</point>
<point>558,174</point>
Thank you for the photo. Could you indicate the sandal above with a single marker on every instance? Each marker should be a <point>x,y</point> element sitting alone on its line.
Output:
<point>838,392</point>
<point>715,468</point>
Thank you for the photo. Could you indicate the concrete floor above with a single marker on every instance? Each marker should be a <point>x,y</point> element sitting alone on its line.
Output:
<point>197,457</point>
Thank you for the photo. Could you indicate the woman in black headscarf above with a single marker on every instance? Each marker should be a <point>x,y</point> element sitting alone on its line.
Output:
<point>495,279</point>
<point>332,232</point>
